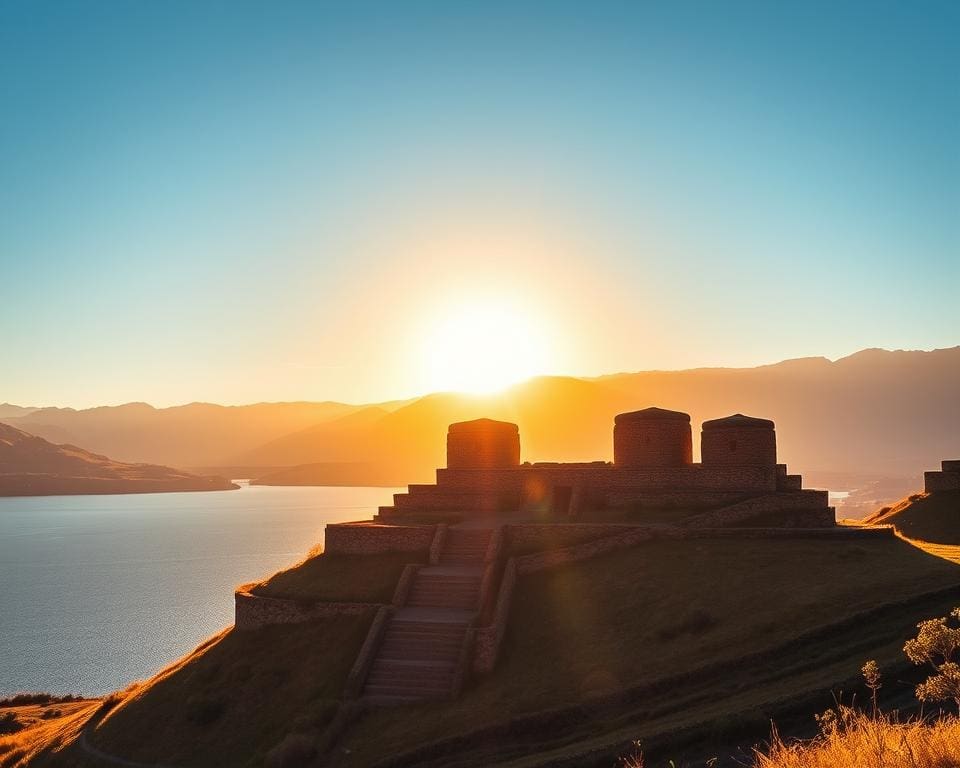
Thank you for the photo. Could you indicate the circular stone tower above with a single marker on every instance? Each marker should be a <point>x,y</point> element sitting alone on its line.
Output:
<point>483,444</point>
<point>738,440</point>
<point>653,437</point>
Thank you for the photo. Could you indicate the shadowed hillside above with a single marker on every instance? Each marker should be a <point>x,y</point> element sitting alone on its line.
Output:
<point>31,466</point>
<point>931,517</point>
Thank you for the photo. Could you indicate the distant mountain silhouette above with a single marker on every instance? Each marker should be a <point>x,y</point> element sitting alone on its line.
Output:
<point>31,466</point>
<point>874,413</point>
<point>8,411</point>
<point>194,435</point>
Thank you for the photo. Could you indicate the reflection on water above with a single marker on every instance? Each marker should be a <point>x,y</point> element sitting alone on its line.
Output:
<point>98,591</point>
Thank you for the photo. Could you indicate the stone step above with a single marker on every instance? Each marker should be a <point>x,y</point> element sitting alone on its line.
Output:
<point>460,604</point>
<point>380,700</point>
<point>398,674</point>
<point>446,586</point>
<point>426,625</point>
<point>424,637</point>
<point>439,501</point>
<point>402,693</point>
<point>419,652</point>
<point>401,629</point>
<point>445,589</point>
<point>444,578</point>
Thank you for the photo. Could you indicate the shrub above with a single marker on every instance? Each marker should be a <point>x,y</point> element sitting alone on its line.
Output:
<point>9,723</point>
<point>935,644</point>
<point>26,699</point>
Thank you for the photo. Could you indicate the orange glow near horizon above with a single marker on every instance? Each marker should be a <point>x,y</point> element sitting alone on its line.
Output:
<point>483,347</point>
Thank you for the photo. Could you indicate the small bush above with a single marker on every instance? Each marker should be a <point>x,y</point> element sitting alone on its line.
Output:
<point>109,703</point>
<point>27,699</point>
<point>9,723</point>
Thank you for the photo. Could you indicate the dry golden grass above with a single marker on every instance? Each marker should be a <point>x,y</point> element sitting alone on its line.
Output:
<point>856,740</point>
<point>851,739</point>
<point>47,729</point>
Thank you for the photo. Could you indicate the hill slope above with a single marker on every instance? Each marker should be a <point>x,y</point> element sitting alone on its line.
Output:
<point>676,638</point>
<point>926,516</point>
<point>31,466</point>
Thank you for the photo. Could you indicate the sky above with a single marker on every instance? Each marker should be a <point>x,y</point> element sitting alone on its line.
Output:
<point>246,201</point>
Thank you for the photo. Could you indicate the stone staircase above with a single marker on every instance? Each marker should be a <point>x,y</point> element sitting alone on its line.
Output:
<point>421,651</point>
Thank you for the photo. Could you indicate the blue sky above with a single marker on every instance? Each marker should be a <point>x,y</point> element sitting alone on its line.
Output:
<point>262,201</point>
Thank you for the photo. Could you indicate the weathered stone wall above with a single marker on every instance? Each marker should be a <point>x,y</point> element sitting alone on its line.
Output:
<point>487,640</point>
<point>738,445</point>
<point>527,537</point>
<point>255,611</point>
<point>652,438</point>
<point>950,465</point>
<point>372,538</point>
<point>812,508</point>
<point>941,481</point>
<point>609,477</point>
<point>665,499</point>
<point>483,444</point>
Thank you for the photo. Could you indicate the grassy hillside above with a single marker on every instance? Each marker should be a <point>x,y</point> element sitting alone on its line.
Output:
<point>238,698</point>
<point>40,729</point>
<point>341,578</point>
<point>670,642</point>
<point>928,517</point>
<point>582,633</point>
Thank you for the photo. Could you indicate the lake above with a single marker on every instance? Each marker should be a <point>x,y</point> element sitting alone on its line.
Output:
<point>99,591</point>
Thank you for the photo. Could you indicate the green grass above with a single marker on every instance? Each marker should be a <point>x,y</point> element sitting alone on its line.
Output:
<point>934,517</point>
<point>341,578</point>
<point>238,696</point>
<point>669,607</point>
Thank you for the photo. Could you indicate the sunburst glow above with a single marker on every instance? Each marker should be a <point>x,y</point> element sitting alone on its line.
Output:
<point>484,347</point>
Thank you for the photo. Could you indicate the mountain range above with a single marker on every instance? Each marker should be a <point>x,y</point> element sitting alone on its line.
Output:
<point>875,413</point>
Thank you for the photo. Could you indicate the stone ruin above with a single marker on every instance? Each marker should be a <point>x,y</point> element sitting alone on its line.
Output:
<point>947,479</point>
<point>652,468</point>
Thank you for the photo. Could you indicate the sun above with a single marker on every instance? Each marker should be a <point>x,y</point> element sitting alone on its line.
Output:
<point>483,347</point>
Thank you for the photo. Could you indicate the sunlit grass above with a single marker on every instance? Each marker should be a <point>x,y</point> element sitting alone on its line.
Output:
<point>46,729</point>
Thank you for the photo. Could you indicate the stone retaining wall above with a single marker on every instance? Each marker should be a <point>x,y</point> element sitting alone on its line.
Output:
<point>487,640</point>
<point>812,508</point>
<point>536,536</point>
<point>255,611</point>
<point>374,539</point>
<point>941,481</point>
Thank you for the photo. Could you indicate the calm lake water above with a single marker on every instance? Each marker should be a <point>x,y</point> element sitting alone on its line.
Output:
<point>99,591</point>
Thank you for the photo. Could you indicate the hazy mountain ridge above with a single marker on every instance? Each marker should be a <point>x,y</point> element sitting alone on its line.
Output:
<point>32,466</point>
<point>875,413</point>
